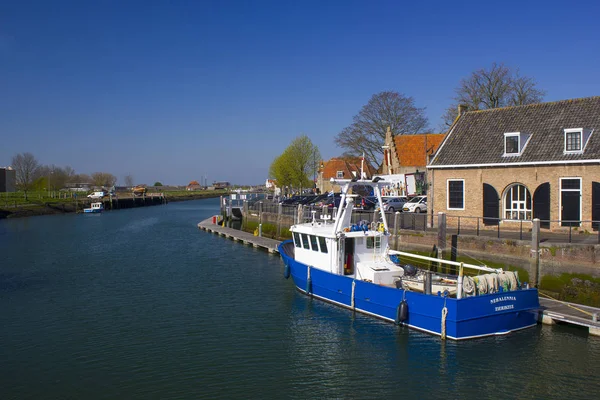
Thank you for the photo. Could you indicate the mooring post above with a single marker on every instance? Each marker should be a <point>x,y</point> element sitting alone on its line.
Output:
<point>229,212</point>
<point>396,220</point>
<point>260,204</point>
<point>245,215</point>
<point>534,260</point>
<point>441,235</point>
<point>279,213</point>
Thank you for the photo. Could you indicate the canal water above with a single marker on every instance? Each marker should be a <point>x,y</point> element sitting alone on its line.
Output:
<point>140,304</point>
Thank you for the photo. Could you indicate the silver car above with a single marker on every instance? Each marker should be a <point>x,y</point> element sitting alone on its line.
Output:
<point>393,204</point>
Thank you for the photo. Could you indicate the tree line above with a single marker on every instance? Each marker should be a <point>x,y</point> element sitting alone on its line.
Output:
<point>31,175</point>
<point>493,87</point>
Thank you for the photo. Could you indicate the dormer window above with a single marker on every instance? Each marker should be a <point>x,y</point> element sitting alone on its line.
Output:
<point>514,143</point>
<point>576,140</point>
<point>573,141</point>
<point>340,174</point>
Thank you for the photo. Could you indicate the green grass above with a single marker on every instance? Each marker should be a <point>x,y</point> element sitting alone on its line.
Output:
<point>268,230</point>
<point>563,288</point>
<point>38,198</point>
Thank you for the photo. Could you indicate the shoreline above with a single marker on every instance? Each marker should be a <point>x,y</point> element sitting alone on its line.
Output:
<point>35,210</point>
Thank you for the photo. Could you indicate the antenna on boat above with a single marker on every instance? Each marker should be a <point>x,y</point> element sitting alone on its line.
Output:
<point>314,220</point>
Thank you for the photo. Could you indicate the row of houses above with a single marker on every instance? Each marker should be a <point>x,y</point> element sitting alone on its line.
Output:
<point>498,166</point>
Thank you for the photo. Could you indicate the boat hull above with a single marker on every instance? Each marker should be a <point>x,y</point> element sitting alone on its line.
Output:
<point>467,318</point>
<point>92,211</point>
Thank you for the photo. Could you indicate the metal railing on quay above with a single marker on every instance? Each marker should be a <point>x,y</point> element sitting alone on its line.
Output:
<point>565,231</point>
<point>561,232</point>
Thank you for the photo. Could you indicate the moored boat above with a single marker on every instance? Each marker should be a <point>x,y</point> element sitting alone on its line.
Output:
<point>94,208</point>
<point>351,265</point>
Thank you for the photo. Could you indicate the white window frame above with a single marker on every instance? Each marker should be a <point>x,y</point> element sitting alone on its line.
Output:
<point>581,140</point>
<point>560,190</point>
<point>448,194</point>
<point>519,202</point>
<point>339,174</point>
<point>513,134</point>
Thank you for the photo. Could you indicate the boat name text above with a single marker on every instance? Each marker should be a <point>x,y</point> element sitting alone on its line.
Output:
<point>504,298</point>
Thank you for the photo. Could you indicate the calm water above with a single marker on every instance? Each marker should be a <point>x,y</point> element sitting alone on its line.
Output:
<point>140,304</point>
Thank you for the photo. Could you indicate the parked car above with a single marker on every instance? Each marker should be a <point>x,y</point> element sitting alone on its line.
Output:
<point>96,195</point>
<point>318,198</point>
<point>394,204</point>
<point>368,202</point>
<point>332,200</point>
<point>417,204</point>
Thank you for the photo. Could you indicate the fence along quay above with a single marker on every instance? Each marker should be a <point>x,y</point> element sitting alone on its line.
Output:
<point>551,311</point>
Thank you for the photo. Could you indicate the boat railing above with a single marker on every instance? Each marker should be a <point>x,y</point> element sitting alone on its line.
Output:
<point>461,268</point>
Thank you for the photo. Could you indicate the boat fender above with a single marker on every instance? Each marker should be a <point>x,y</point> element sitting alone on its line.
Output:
<point>402,312</point>
<point>286,271</point>
<point>309,285</point>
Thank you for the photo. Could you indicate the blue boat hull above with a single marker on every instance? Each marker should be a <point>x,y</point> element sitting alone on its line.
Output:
<point>91,211</point>
<point>467,318</point>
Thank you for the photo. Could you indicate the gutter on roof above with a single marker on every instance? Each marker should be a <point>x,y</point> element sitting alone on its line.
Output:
<point>529,163</point>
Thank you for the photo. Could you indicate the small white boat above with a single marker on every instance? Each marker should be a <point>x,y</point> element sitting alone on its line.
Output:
<point>95,208</point>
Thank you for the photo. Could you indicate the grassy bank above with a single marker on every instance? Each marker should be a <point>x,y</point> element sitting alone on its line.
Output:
<point>15,205</point>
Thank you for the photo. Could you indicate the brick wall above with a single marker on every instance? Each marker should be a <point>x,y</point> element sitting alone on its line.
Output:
<point>502,178</point>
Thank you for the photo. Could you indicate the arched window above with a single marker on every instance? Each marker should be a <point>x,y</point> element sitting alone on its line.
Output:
<point>517,203</point>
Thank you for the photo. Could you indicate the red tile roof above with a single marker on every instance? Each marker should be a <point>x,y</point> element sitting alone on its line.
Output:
<point>347,165</point>
<point>412,149</point>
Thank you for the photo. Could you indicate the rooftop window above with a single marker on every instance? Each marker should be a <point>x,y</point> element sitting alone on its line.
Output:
<point>576,139</point>
<point>515,142</point>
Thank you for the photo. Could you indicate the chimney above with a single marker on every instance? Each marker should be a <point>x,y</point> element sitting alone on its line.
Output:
<point>462,108</point>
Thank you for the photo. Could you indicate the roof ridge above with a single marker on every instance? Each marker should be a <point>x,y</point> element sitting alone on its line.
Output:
<point>548,103</point>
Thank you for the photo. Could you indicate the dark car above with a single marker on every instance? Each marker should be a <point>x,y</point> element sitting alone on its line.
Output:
<point>368,202</point>
<point>291,200</point>
<point>332,200</point>
<point>316,199</point>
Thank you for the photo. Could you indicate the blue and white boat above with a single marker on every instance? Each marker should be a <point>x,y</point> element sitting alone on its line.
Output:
<point>351,265</point>
<point>94,208</point>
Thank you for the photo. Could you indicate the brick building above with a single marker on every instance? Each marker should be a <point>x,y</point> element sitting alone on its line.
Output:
<point>514,164</point>
<point>342,168</point>
<point>405,154</point>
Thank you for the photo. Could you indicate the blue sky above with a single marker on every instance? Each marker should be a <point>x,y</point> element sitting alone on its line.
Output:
<point>179,90</point>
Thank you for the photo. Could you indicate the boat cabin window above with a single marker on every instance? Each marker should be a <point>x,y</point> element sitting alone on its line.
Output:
<point>322,244</point>
<point>313,243</point>
<point>373,241</point>
<point>305,241</point>
<point>297,239</point>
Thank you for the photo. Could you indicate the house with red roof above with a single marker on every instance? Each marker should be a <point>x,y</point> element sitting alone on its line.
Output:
<point>342,168</point>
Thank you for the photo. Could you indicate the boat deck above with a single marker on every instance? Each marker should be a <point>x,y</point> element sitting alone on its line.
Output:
<point>555,311</point>
<point>240,236</point>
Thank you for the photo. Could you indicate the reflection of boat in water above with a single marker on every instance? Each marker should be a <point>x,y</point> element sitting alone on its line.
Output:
<point>351,265</point>
<point>94,208</point>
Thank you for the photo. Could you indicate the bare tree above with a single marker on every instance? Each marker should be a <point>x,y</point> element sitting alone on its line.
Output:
<point>26,167</point>
<point>524,91</point>
<point>367,131</point>
<point>496,87</point>
<point>104,179</point>
<point>129,180</point>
